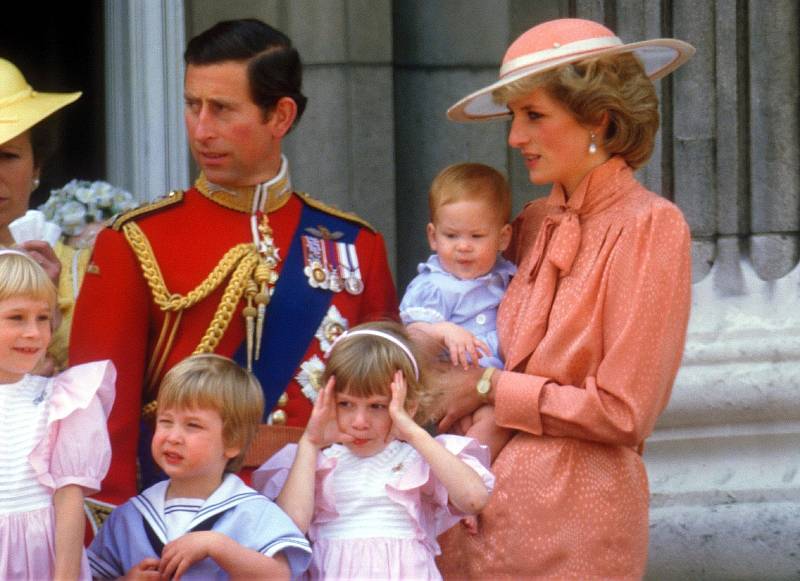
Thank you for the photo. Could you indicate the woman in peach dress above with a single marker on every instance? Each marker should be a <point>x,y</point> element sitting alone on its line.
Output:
<point>592,327</point>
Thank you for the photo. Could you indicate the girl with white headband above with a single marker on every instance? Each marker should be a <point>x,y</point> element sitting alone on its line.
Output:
<point>55,443</point>
<point>372,488</point>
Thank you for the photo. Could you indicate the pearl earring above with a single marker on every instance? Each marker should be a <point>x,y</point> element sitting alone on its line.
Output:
<point>592,144</point>
<point>35,183</point>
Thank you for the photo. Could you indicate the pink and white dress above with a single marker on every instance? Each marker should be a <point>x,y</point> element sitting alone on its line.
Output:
<point>53,435</point>
<point>376,517</point>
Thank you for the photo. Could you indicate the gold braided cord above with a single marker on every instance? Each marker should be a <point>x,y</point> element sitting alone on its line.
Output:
<point>227,306</point>
<point>222,317</point>
<point>152,273</point>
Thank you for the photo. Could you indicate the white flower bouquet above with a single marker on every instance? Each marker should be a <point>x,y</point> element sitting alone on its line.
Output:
<point>81,202</point>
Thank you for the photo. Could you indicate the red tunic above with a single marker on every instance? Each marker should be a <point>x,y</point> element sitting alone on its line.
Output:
<point>116,318</point>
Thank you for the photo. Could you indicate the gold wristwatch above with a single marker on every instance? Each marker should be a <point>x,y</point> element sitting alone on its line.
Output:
<point>485,383</point>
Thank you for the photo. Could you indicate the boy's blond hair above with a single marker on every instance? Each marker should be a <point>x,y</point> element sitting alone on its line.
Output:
<point>210,381</point>
<point>470,182</point>
<point>21,276</point>
<point>364,365</point>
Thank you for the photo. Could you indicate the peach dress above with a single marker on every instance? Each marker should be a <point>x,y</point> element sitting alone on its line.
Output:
<point>592,329</point>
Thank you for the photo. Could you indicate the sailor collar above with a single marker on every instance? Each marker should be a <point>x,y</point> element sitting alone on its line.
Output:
<point>265,197</point>
<point>150,503</point>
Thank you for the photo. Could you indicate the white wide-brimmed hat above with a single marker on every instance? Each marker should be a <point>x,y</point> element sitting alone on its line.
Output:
<point>560,42</point>
<point>20,106</point>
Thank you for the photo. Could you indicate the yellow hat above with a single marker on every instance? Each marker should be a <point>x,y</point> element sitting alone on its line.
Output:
<point>20,106</point>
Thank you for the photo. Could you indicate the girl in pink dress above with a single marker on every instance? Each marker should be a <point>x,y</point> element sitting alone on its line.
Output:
<point>54,446</point>
<point>374,503</point>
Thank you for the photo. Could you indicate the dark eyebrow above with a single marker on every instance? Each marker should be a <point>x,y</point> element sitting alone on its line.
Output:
<point>214,100</point>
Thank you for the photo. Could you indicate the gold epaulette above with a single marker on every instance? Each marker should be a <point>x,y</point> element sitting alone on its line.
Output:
<point>322,206</point>
<point>172,198</point>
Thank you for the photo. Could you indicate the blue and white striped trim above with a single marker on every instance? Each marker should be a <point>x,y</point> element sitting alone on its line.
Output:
<point>278,545</point>
<point>103,569</point>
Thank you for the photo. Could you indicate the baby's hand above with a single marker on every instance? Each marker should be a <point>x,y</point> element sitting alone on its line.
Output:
<point>402,423</point>
<point>323,428</point>
<point>143,570</point>
<point>464,347</point>
<point>470,523</point>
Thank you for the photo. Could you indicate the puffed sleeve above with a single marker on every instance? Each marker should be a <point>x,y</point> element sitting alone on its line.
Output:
<point>645,312</point>
<point>77,440</point>
<point>424,301</point>
<point>424,496</point>
<point>270,477</point>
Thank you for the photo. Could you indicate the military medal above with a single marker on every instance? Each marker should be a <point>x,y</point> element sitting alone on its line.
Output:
<point>353,283</point>
<point>316,263</point>
<point>310,377</point>
<point>333,325</point>
<point>335,279</point>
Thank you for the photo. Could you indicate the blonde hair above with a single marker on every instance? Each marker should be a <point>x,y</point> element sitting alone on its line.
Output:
<point>616,85</point>
<point>210,381</point>
<point>21,276</point>
<point>470,181</point>
<point>364,366</point>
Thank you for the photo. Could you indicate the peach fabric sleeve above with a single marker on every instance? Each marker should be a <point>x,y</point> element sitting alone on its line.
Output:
<point>645,297</point>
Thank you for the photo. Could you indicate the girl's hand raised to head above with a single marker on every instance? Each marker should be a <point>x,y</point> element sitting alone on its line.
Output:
<point>323,428</point>
<point>402,423</point>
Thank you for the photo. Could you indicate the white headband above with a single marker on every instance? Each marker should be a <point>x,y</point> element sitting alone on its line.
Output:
<point>12,251</point>
<point>386,336</point>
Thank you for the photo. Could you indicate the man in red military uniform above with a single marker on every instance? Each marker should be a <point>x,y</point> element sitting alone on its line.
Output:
<point>239,264</point>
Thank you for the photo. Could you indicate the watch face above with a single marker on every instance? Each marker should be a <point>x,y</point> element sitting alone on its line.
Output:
<point>483,386</point>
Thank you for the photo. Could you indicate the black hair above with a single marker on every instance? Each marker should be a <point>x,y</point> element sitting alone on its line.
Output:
<point>44,140</point>
<point>274,69</point>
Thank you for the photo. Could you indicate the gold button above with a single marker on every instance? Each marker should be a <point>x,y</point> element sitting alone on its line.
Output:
<point>283,399</point>
<point>278,417</point>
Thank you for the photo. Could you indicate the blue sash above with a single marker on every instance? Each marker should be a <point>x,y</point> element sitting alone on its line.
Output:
<point>295,311</point>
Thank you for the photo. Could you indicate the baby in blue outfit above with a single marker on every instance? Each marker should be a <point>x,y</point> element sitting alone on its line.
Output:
<point>455,296</point>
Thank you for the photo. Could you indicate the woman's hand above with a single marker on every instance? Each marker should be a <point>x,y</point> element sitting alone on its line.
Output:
<point>42,253</point>
<point>402,423</point>
<point>323,427</point>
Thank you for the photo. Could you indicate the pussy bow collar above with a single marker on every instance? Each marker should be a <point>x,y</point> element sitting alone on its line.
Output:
<point>554,251</point>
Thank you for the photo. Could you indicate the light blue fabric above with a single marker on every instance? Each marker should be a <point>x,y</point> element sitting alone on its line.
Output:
<point>249,518</point>
<point>435,295</point>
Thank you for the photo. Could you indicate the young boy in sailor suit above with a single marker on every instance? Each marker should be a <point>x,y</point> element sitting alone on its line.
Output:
<point>203,522</point>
